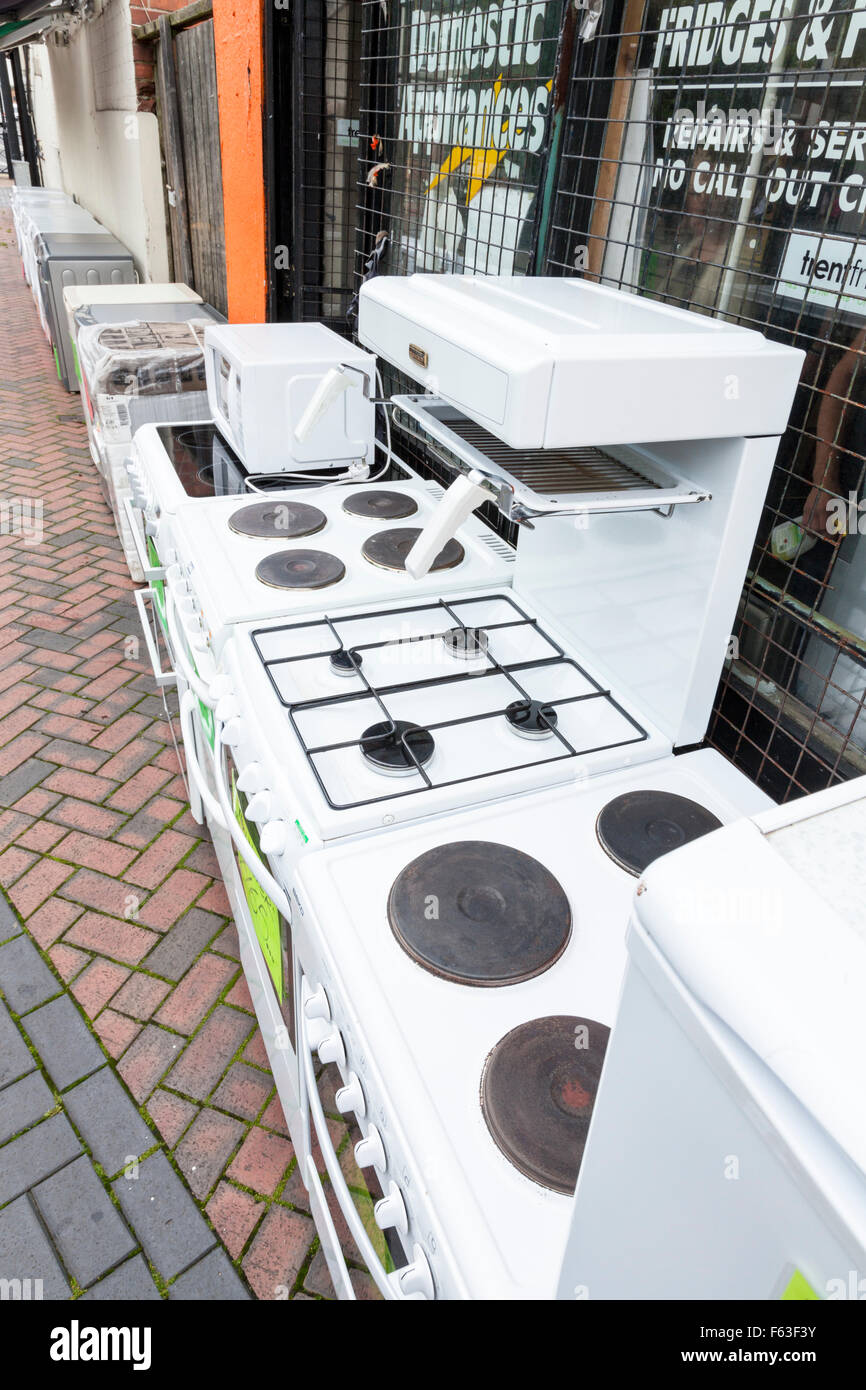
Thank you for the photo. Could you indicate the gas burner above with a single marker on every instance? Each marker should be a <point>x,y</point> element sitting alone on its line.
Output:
<point>277,520</point>
<point>385,746</point>
<point>638,827</point>
<point>388,549</point>
<point>345,663</point>
<point>300,569</point>
<point>378,504</point>
<point>500,917</point>
<point>466,643</point>
<point>532,718</point>
<point>537,1093</point>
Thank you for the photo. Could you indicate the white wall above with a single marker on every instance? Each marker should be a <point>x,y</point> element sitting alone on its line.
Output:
<point>94,143</point>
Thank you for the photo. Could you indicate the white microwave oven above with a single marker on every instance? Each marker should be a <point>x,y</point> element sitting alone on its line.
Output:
<point>261,377</point>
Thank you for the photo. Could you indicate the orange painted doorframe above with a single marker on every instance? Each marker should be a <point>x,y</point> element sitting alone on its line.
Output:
<point>239,44</point>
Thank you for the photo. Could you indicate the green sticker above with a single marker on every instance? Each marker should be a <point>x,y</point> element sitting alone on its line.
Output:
<point>57,364</point>
<point>75,359</point>
<point>798,1288</point>
<point>158,586</point>
<point>265,917</point>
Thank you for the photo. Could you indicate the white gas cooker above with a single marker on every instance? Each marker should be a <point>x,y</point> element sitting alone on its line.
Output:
<point>412,1045</point>
<point>307,705</point>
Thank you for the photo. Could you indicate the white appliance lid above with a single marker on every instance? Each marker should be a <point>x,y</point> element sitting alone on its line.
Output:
<point>764,924</point>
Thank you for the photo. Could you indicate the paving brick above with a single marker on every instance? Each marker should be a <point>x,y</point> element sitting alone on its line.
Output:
<point>24,977</point>
<point>206,1148</point>
<point>239,995</point>
<point>83,815</point>
<point>234,1214</point>
<point>156,863</point>
<point>216,900</point>
<point>9,922</point>
<point>91,852</point>
<point>278,1252</point>
<point>108,1121</point>
<point>67,961</point>
<point>97,984</point>
<point>170,901</point>
<point>38,883</point>
<point>243,1091</point>
<point>138,789</point>
<point>84,786</point>
<point>23,1103</point>
<point>317,1279</point>
<point>208,1055</point>
<point>212,1278</point>
<point>41,837</point>
<point>131,1283</point>
<point>51,921</point>
<point>16,784</point>
<point>148,1059</point>
<point>171,1114</point>
<point>68,1049</point>
<point>15,1056</point>
<point>261,1162</point>
<point>180,946</point>
<point>273,1118</point>
<point>13,863</point>
<point>115,1031</point>
<point>26,1253</point>
<point>84,1224</point>
<point>121,731</point>
<point>197,992</point>
<point>122,940</point>
<point>141,996</point>
<point>255,1052</point>
<point>103,894</point>
<point>36,1154</point>
<point>164,1216</point>
<point>19,750</point>
<point>78,756</point>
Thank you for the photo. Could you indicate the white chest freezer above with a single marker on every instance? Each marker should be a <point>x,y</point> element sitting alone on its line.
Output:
<point>727,1152</point>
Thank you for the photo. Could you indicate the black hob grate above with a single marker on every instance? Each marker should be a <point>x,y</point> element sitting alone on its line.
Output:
<point>555,748</point>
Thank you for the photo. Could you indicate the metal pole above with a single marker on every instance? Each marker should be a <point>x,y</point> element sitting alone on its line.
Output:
<point>8,112</point>
<point>27,139</point>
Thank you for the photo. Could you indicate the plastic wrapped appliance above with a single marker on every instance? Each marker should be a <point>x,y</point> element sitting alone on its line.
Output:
<point>76,258</point>
<point>138,373</point>
<point>121,304</point>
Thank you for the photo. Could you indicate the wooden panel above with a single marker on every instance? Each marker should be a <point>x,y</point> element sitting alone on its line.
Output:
<point>195,64</point>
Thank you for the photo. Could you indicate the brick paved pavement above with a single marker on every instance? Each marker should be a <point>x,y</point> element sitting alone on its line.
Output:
<point>142,1151</point>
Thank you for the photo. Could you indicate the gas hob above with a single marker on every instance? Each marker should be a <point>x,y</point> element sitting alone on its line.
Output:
<point>481,1119</point>
<point>389,713</point>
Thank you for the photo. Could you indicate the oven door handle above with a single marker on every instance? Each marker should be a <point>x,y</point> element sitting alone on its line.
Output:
<point>263,876</point>
<point>179,651</point>
<point>133,515</point>
<point>188,707</point>
<point>161,677</point>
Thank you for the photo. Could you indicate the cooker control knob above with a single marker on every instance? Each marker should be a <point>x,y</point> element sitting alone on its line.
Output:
<point>150,527</point>
<point>331,1049</point>
<point>171,557</point>
<point>273,836</point>
<point>222,685</point>
<point>259,808</point>
<point>391,1211</point>
<point>316,1004</point>
<point>252,777</point>
<point>233,733</point>
<point>416,1280</point>
<point>370,1151</point>
<point>350,1098</point>
<point>227,708</point>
